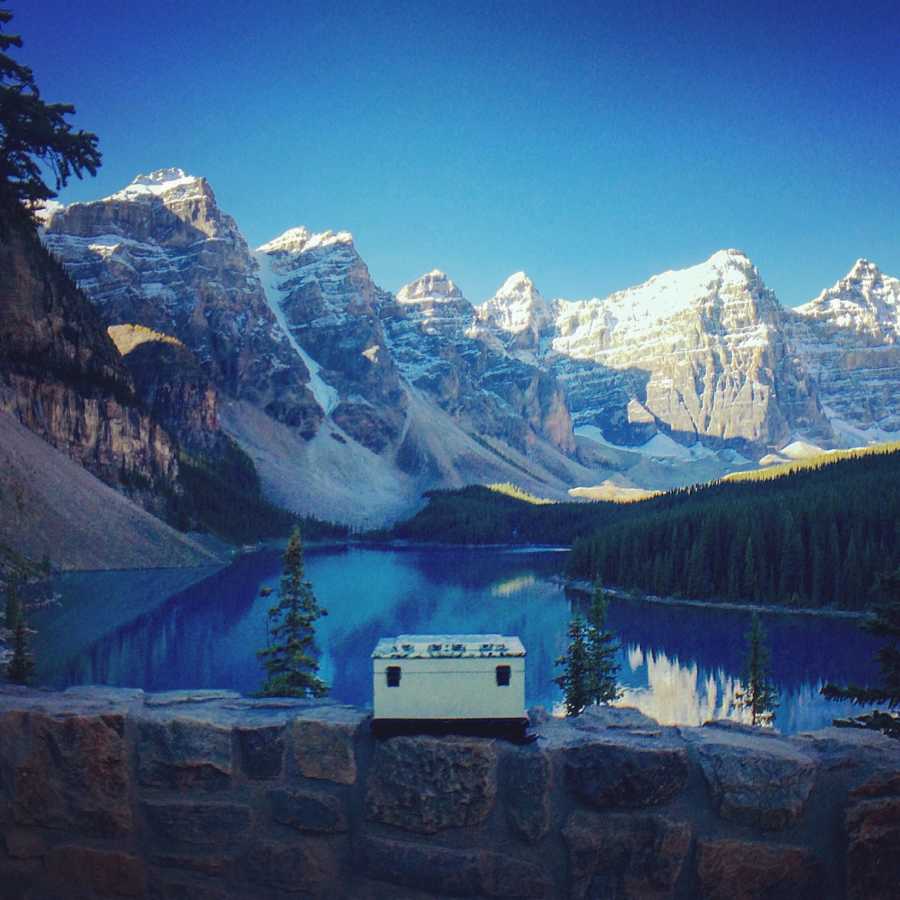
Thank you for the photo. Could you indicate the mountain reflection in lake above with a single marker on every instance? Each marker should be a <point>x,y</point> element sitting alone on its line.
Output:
<point>189,628</point>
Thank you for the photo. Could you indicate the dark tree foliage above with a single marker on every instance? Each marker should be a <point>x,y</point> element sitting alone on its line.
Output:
<point>758,694</point>
<point>289,659</point>
<point>807,534</point>
<point>574,677</point>
<point>602,647</point>
<point>812,537</point>
<point>589,664</point>
<point>21,666</point>
<point>35,136</point>
<point>884,624</point>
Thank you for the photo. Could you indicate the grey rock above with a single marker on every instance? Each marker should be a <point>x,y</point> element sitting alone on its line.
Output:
<point>183,752</point>
<point>526,779</point>
<point>262,751</point>
<point>309,811</point>
<point>323,743</point>
<point>626,772</point>
<point>764,783</point>
<point>428,784</point>
<point>625,855</point>
<point>200,823</point>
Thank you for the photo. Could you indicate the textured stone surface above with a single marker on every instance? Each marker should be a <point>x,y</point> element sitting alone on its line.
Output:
<point>197,822</point>
<point>738,870</point>
<point>526,779</point>
<point>262,751</point>
<point>631,773</point>
<point>427,784</point>
<point>764,783</point>
<point>308,810</point>
<point>77,869</point>
<point>72,772</point>
<point>323,747</point>
<point>451,872</point>
<point>625,855</point>
<point>873,835</point>
<point>310,868</point>
<point>22,843</point>
<point>183,753</point>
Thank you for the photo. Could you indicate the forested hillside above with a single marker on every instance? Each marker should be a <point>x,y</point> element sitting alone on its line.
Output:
<point>814,533</point>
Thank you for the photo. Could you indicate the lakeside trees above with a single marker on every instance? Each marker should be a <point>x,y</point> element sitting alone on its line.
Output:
<point>289,659</point>
<point>884,624</point>
<point>758,695</point>
<point>589,664</point>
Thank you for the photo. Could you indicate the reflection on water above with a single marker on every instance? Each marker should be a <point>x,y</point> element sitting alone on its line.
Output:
<point>167,630</point>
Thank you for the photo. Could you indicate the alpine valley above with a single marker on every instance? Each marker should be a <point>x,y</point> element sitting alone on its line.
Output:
<point>352,401</point>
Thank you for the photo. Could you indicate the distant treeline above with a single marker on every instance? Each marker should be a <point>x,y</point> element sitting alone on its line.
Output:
<point>814,533</point>
<point>815,536</point>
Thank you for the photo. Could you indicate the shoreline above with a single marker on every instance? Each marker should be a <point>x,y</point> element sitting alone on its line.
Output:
<point>580,586</point>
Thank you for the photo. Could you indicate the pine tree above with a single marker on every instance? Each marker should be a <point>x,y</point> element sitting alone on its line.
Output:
<point>574,677</point>
<point>21,666</point>
<point>35,137</point>
<point>289,658</point>
<point>758,694</point>
<point>885,624</point>
<point>601,646</point>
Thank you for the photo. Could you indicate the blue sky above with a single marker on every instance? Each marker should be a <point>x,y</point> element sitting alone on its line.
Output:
<point>591,145</point>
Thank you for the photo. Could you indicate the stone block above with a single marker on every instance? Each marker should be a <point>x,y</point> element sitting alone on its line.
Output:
<point>310,868</point>
<point>262,751</point>
<point>71,773</point>
<point>449,872</point>
<point>626,773</point>
<point>22,843</point>
<point>525,775</point>
<point>323,744</point>
<point>739,870</point>
<point>309,811</point>
<point>107,873</point>
<point>760,782</point>
<point>427,784</point>
<point>183,754</point>
<point>200,823</point>
<point>619,855</point>
<point>873,846</point>
<point>202,863</point>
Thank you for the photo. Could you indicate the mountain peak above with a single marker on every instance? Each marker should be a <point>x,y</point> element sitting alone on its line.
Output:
<point>863,268</point>
<point>300,240</point>
<point>434,285</point>
<point>159,182</point>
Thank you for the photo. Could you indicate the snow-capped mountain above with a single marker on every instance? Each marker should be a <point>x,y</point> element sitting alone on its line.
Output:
<point>697,352</point>
<point>331,382</point>
<point>160,253</point>
<point>848,338</point>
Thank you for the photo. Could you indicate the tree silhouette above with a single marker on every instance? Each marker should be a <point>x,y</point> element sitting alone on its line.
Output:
<point>886,624</point>
<point>758,694</point>
<point>602,667</point>
<point>574,677</point>
<point>35,136</point>
<point>289,658</point>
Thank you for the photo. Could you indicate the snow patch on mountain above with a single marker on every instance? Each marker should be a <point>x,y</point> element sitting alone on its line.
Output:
<point>326,396</point>
<point>155,184</point>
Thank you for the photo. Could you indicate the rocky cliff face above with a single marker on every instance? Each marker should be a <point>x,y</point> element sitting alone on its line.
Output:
<point>61,376</point>
<point>160,253</point>
<point>298,334</point>
<point>848,338</point>
<point>699,353</point>
<point>433,334</point>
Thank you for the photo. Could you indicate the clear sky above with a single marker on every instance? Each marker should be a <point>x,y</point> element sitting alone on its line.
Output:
<point>591,145</point>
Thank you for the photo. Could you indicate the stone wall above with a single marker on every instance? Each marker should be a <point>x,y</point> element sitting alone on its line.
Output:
<point>210,795</point>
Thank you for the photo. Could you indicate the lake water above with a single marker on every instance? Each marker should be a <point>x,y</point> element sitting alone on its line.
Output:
<point>168,629</point>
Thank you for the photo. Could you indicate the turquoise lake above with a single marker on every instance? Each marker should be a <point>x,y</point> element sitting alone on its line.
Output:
<point>167,629</point>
